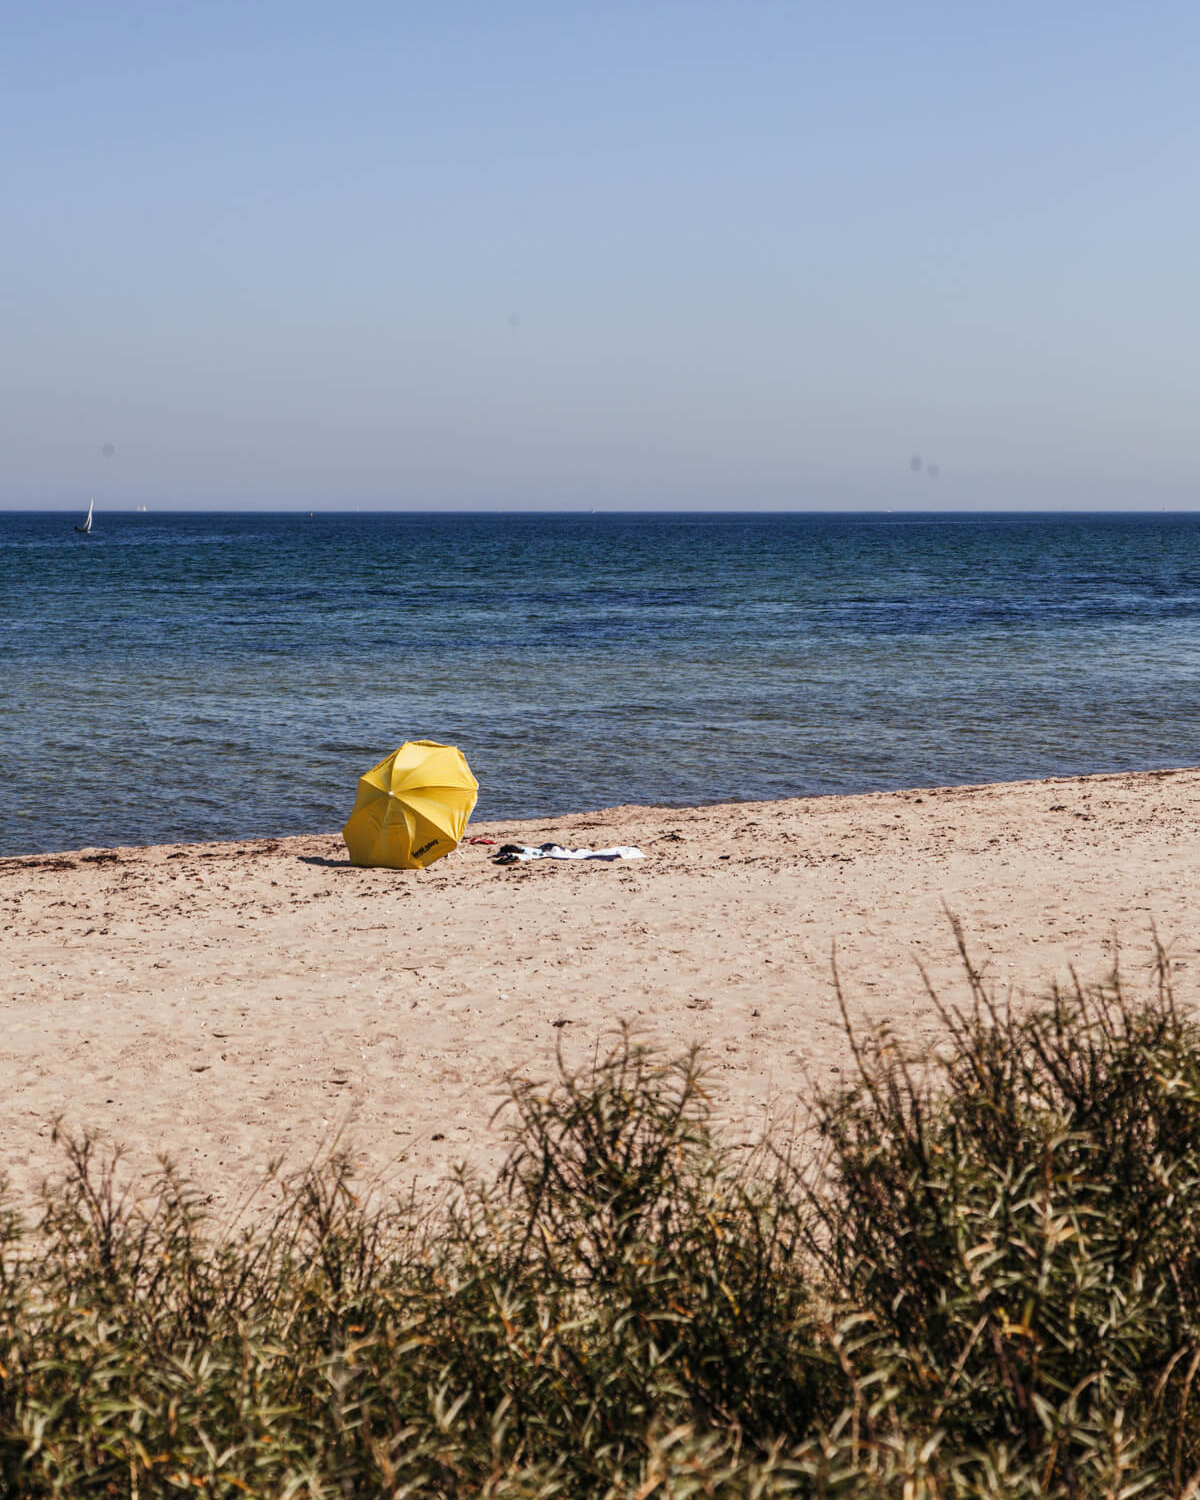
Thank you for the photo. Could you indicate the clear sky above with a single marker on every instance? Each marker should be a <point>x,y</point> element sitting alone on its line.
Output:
<point>281,254</point>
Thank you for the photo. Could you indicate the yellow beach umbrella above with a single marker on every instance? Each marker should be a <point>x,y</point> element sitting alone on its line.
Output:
<point>412,807</point>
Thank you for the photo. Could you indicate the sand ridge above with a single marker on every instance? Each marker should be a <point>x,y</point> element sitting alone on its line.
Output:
<point>232,1003</point>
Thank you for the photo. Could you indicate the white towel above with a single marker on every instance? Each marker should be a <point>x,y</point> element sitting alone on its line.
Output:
<point>556,851</point>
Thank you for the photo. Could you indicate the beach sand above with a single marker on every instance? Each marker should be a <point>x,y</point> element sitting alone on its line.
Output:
<point>230,1004</point>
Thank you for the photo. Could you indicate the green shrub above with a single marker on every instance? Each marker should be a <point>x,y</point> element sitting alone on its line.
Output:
<point>1022,1232</point>
<point>984,1282</point>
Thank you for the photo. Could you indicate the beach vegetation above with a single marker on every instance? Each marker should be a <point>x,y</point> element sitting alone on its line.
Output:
<point>974,1274</point>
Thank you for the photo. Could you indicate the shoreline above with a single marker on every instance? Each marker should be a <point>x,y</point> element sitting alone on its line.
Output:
<point>234,1002</point>
<point>554,819</point>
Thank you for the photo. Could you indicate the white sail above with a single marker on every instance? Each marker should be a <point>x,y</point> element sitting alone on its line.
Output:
<point>87,525</point>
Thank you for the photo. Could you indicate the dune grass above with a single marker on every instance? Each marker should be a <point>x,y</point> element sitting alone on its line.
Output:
<point>981,1280</point>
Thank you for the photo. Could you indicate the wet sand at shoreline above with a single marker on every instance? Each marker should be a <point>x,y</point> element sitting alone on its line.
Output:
<point>229,1004</point>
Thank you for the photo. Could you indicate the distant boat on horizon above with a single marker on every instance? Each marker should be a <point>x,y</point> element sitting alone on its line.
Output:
<point>86,528</point>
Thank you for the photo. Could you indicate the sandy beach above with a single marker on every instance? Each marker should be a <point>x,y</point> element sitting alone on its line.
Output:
<point>230,1004</point>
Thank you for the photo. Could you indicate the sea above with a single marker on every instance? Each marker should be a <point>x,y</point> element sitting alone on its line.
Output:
<point>178,677</point>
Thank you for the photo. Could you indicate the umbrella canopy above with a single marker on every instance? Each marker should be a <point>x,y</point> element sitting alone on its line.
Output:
<point>412,807</point>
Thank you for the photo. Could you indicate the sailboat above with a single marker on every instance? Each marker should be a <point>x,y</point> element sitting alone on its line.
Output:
<point>87,525</point>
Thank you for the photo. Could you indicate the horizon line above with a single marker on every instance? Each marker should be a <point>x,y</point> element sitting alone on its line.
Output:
<point>313,511</point>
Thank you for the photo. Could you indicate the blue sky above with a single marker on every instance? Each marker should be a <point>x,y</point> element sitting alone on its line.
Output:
<point>623,256</point>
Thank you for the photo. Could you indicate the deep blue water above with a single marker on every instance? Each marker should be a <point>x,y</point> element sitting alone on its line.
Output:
<point>213,676</point>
